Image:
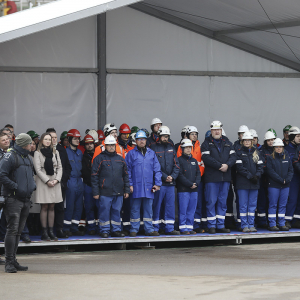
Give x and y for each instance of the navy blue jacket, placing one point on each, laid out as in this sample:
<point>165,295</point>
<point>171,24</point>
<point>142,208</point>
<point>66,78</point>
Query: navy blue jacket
<point>109,175</point>
<point>188,175</point>
<point>153,139</point>
<point>168,160</point>
<point>237,145</point>
<point>296,161</point>
<point>66,167</point>
<point>265,152</point>
<point>87,167</point>
<point>213,159</point>
<point>279,169</point>
<point>291,149</point>
<point>16,175</point>
<point>246,168</point>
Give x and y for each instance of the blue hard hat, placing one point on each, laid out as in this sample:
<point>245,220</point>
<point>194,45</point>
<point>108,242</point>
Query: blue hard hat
<point>140,135</point>
<point>207,134</point>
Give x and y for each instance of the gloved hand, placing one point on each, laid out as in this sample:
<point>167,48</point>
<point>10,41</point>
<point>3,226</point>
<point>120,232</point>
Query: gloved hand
<point>254,179</point>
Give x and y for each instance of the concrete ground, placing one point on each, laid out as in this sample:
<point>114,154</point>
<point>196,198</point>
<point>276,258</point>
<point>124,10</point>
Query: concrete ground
<point>261,271</point>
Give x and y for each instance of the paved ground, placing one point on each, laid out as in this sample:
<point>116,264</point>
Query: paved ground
<point>268,271</point>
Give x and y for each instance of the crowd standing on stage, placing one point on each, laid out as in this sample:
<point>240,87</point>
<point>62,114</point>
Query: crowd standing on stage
<point>124,182</point>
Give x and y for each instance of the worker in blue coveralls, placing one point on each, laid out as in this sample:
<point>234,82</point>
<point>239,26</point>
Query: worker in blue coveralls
<point>219,157</point>
<point>167,158</point>
<point>109,184</point>
<point>74,193</point>
<point>145,179</point>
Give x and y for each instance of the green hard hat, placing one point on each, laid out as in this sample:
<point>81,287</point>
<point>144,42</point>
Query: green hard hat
<point>134,129</point>
<point>63,135</point>
<point>272,130</point>
<point>287,128</point>
<point>32,134</point>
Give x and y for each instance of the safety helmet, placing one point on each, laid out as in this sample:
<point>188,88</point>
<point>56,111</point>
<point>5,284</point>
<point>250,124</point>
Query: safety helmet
<point>110,140</point>
<point>134,129</point>
<point>294,130</point>
<point>287,128</point>
<point>146,131</point>
<point>156,121</point>
<point>216,125</point>
<point>254,133</point>
<point>243,128</point>
<point>94,134</point>
<point>272,130</point>
<point>101,136</point>
<point>132,138</point>
<point>186,143</point>
<point>63,135</point>
<point>247,136</point>
<point>124,128</point>
<point>164,130</point>
<point>191,129</point>
<point>88,139</point>
<point>278,142</point>
<point>108,128</point>
<point>140,135</point>
<point>184,129</point>
<point>223,132</point>
<point>207,134</point>
<point>269,135</point>
<point>32,134</point>
<point>73,133</point>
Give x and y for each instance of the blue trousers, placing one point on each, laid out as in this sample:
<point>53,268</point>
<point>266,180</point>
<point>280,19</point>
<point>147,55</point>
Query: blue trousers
<point>90,205</point>
<point>297,210</point>
<point>198,212</point>
<point>247,206</point>
<point>187,203</point>
<point>74,204</point>
<point>277,202</point>
<point>166,198</point>
<point>126,213</point>
<point>293,198</point>
<point>216,197</point>
<point>262,203</point>
<point>110,213</point>
<point>135,210</point>
<point>204,213</point>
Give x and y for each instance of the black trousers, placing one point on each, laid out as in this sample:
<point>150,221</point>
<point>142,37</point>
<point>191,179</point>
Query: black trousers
<point>16,213</point>
<point>59,209</point>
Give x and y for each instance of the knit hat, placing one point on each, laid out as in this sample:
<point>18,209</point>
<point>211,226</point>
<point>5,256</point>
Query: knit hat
<point>23,139</point>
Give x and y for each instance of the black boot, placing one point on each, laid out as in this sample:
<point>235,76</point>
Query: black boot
<point>45,236</point>
<point>19,267</point>
<point>61,234</point>
<point>9,267</point>
<point>51,234</point>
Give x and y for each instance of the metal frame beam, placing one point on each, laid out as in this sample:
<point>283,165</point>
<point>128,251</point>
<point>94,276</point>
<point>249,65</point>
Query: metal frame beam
<point>211,34</point>
<point>101,82</point>
<point>265,26</point>
<point>47,70</point>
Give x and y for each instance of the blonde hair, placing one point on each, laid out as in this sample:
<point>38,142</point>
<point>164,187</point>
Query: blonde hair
<point>273,153</point>
<point>40,145</point>
<point>255,155</point>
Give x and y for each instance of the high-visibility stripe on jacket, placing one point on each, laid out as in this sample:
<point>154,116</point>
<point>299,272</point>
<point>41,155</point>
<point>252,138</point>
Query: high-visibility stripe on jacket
<point>196,153</point>
<point>120,151</point>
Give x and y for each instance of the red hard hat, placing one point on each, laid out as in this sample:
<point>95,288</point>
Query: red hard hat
<point>88,139</point>
<point>100,134</point>
<point>73,133</point>
<point>124,128</point>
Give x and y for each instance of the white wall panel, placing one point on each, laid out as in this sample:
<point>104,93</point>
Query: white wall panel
<point>71,45</point>
<point>38,101</point>
<point>138,41</point>
<point>259,103</point>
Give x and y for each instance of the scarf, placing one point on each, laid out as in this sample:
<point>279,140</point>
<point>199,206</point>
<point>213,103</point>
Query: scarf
<point>47,152</point>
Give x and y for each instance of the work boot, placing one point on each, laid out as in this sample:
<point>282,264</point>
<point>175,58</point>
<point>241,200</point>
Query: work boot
<point>104,235</point>
<point>9,267</point>
<point>283,228</point>
<point>19,267</point>
<point>125,232</point>
<point>78,233</point>
<point>132,234</point>
<point>231,226</point>
<point>25,238</point>
<point>263,226</point>
<point>199,230</point>
<point>184,232</point>
<point>274,228</point>
<point>61,234</point>
<point>246,230</point>
<point>162,231</point>
<point>153,233</point>
<point>52,235</point>
<point>174,232</point>
<point>212,230</point>
<point>117,234</point>
<point>296,223</point>
<point>92,232</point>
<point>193,232</point>
<point>253,229</point>
<point>45,236</point>
<point>223,230</point>
<point>68,233</point>
<point>288,225</point>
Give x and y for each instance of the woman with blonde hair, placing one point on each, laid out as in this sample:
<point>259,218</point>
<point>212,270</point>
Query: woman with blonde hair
<point>249,166</point>
<point>48,169</point>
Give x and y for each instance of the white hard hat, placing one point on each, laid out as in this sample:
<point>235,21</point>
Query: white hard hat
<point>94,134</point>
<point>110,140</point>
<point>269,135</point>
<point>243,128</point>
<point>223,132</point>
<point>185,128</point>
<point>247,136</point>
<point>216,125</point>
<point>186,143</point>
<point>294,130</point>
<point>156,121</point>
<point>191,129</point>
<point>254,133</point>
<point>163,130</point>
<point>278,142</point>
<point>133,138</point>
<point>108,128</point>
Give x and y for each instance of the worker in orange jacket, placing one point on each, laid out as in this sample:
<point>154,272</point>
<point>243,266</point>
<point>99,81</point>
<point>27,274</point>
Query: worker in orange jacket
<point>109,129</point>
<point>192,134</point>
